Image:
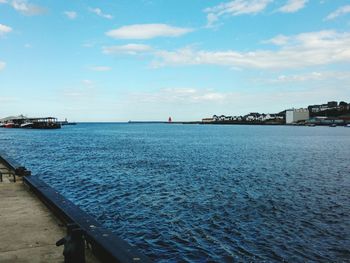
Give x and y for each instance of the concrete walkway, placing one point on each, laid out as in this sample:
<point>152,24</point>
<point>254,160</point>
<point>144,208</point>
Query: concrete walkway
<point>28,230</point>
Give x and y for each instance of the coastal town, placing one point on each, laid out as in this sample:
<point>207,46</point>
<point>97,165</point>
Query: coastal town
<point>331,114</point>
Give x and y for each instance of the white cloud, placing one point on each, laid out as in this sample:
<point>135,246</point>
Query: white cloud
<point>129,49</point>
<point>147,31</point>
<point>235,8</point>
<point>211,19</point>
<point>26,8</point>
<point>303,50</point>
<point>100,68</point>
<point>180,95</point>
<point>293,6</point>
<point>70,14</point>
<point>312,76</point>
<point>99,12</point>
<point>2,65</point>
<point>278,40</point>
<point>4,29</point>
<point>339,12</point>
<point>239,7</point>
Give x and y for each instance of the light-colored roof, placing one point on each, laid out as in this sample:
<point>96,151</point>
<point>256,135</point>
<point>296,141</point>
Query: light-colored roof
<point>21,117</point>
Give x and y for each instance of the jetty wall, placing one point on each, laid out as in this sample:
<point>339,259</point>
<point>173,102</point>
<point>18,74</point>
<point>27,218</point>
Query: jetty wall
<point>105,244</point>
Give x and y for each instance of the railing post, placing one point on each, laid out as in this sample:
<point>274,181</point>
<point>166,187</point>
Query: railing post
<point>74,245</point>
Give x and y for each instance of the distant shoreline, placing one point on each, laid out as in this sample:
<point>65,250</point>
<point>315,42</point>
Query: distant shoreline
<point>225,123</point>
<point>233,123</point>
<point>209,123</point>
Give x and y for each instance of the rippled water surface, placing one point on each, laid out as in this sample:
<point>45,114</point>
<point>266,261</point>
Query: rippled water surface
<point>203,193</point>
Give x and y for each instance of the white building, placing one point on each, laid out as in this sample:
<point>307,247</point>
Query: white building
<point>295,115</point>
<point>208,120</point>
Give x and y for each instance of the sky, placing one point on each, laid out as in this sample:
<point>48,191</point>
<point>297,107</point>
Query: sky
<point>121,60</point>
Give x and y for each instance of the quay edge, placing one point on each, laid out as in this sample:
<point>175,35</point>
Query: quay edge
<point>105,245</point>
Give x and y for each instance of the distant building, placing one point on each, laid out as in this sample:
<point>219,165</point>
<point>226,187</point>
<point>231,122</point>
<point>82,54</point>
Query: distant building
<point>295,115</point>
<point>331,105</point>
<point>222,118</point>
<point>208,120</point>
<point>344,106</point>
<point>253,116</point>
<point>274,117</point>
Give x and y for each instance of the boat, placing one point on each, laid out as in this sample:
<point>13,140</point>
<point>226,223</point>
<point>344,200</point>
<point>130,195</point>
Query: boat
<point>27,125</point>
<point>9,125</point>
<point>347,125</point>
<point>311,124</point>
<point>333,125</point>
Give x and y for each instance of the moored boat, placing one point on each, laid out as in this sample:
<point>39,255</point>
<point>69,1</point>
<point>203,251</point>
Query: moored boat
<point>27,125</point>
<point>9,125</point>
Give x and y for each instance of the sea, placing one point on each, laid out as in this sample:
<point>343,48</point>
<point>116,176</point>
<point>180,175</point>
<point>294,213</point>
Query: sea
<point>203,193</point>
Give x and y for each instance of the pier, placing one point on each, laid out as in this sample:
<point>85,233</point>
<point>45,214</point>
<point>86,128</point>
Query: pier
<point>30,123</point>
<point>33,217</point>
<point>28,229</point>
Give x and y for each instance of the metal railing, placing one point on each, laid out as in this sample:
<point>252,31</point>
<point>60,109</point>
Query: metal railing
<point>105,245</point>
<point>14,168</point>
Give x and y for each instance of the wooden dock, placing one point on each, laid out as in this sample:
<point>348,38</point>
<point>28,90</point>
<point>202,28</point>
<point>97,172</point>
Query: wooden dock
<point>28,229</point>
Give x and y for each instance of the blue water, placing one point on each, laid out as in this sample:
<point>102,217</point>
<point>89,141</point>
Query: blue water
<point>203,193</point>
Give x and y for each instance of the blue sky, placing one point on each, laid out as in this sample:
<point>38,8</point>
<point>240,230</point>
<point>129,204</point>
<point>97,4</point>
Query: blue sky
<point>150,59</point>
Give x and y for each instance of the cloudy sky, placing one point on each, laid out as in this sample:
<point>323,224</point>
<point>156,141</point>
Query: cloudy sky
<point>122,60</point>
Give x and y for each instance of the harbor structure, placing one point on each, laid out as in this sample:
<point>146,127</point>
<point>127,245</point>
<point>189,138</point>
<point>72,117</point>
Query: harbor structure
<point>297,115</point>
<point>320,120</point>
<point>30,122</point>
<point>66,122</point>
<point>28,230</point>
<point>35,217</point>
